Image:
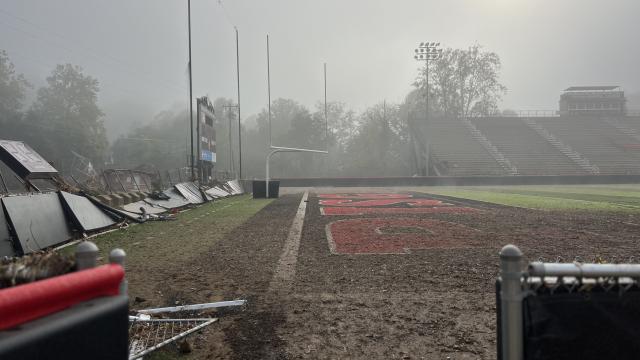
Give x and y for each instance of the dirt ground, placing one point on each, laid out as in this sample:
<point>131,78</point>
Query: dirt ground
<point>433,301</point>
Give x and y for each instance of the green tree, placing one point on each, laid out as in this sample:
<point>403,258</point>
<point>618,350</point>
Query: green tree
<point>160,145</point>
<point>12,94</point>
<point>68,117</point>
<point>379,146</point>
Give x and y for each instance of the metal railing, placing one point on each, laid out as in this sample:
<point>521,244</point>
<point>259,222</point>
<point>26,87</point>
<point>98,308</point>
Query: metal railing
<point>515,284</point>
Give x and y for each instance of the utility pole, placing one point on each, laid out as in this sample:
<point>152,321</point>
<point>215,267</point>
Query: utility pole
<point>269,94</point>
<point>427,51</point>
<point>193,175</point>
<point>239,122</point>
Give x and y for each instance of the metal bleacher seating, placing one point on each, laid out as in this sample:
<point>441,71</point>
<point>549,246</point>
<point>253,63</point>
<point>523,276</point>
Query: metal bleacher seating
<point>457,152</point>
<point>529,152</point>
<point>599,140</point>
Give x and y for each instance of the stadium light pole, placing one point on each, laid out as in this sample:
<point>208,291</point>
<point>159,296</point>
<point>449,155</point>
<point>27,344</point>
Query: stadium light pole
<point>239,121</point>
<point>193,175</point>
<point>427,51</point>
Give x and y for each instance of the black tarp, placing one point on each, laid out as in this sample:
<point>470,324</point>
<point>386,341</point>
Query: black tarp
<point>593,324</point>
<point>85,215</point>
<point>260,189</point>
<point>96,329</point>
<point>38,221</point>
<point>6,246</point>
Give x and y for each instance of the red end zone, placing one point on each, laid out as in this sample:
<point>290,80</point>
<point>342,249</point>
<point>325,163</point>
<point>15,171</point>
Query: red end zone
<point>396,236</point>
<point>393,210</point>
<point>389,235</point>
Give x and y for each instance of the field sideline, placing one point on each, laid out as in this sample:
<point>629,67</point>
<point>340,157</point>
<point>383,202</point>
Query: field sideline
<point>608,198</point>
<point>375,273</point>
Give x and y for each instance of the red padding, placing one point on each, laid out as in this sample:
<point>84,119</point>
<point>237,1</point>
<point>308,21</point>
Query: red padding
<point>27,302</point>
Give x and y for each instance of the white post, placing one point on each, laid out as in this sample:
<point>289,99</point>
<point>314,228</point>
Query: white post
<point>117,256</point>
<point>511,302</point>
<point>86,255</point>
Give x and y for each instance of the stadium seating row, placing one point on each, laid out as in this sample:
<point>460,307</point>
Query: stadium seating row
<point>605,145</point>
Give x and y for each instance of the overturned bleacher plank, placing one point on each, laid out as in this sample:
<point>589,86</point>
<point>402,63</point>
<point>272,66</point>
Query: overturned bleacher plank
<point>188,192</point>
<point>174,201</point>
<point>6,245</point>
<point>38,221</point>
<point>217,192</point>
<point>140,207</point>
<point>85,215</point>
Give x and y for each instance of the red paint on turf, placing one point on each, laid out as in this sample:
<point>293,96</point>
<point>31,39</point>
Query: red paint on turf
<point>396,236</point>
<point>382,202</point>
<point>365,196</point>
<point>394,210</point>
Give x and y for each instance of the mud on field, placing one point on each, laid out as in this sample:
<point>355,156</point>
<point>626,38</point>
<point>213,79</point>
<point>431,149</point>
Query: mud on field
<point>434,301</point>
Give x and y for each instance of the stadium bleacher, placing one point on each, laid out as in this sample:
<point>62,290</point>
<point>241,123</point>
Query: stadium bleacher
<point>457,153</point>
<point>608,144</point>
<point>529,152</point>
<point>604,145</point>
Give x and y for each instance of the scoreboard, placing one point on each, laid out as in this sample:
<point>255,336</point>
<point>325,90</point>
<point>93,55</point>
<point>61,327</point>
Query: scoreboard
<point>206,131</point>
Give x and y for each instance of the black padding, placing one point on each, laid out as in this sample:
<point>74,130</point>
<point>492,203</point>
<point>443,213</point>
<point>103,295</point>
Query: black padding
<point>96,329</point>
<point>38,221</point>
<point>6,245</point>
<point>260,189</point>
<point>84,214</point>
<point>584,325</point>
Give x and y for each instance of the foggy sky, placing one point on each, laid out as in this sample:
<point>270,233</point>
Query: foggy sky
<point>138,48</point>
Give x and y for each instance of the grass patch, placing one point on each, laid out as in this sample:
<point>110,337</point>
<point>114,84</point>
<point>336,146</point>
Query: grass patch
<point>177,240</point>
<point>584,198</point>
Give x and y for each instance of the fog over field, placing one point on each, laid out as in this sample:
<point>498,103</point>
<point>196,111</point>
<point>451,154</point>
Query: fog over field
<point>121,68</point>
<point>138,49</point>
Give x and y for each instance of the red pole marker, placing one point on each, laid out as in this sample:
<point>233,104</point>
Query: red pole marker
<point>27,302</point>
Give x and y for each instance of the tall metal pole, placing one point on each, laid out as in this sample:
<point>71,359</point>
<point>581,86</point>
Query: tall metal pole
<point>427,51</point>
<point>269,91</point>
<point>427,143</point>
<point>239,122</point>
<point>193,175</point>
<point>326,119</point>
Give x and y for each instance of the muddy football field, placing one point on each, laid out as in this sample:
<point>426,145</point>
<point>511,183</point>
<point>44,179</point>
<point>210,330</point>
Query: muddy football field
<point>368,273</point>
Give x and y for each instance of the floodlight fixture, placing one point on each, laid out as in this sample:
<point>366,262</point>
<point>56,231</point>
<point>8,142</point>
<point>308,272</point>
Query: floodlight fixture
<point>428,51</point>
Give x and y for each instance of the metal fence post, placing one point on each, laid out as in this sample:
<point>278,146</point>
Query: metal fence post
<point>117,256</point>
<point>511,298</point>
<point>86,255</point>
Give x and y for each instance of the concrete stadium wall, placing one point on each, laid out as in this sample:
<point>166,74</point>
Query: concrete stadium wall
<point>462,180</point>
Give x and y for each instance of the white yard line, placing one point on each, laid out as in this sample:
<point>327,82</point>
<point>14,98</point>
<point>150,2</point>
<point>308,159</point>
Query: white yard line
<point>286,269</point>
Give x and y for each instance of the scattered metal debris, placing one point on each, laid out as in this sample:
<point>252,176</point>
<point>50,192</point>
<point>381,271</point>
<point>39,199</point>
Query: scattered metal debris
<point>194,307</point>
<point>147,335</point>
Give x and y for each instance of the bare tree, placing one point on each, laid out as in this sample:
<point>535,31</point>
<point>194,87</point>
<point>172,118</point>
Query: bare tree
<point>464,83</point>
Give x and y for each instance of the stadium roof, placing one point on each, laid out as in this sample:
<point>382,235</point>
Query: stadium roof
<point>591,88</point>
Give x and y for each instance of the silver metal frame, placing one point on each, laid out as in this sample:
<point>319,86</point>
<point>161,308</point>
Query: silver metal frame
<point>133,354</point>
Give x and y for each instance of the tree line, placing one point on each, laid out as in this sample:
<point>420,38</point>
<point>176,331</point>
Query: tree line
<point>386,139</point>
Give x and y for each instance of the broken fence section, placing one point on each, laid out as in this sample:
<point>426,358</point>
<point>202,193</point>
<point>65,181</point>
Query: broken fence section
<point>32,222</point>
